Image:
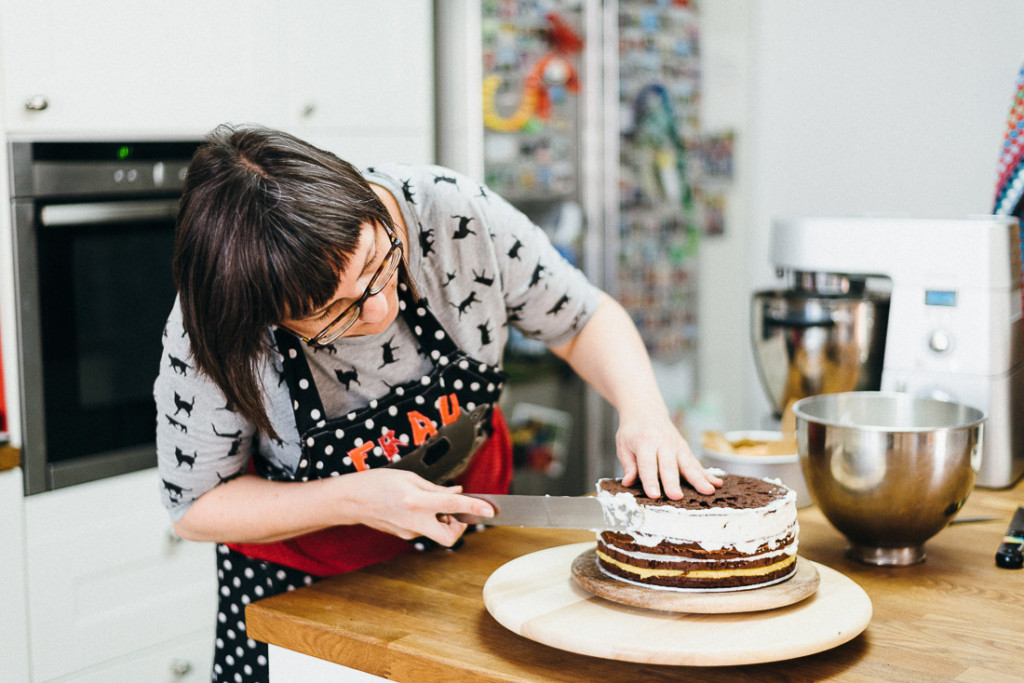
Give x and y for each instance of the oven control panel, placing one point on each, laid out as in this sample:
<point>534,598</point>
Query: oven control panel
<point>77,169</point>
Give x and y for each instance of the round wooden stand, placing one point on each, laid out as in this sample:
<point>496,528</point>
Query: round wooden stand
<point>536,597</point>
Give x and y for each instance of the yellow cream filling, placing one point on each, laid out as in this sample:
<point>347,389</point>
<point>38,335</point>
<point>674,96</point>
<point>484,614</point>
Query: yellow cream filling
<point>699,573</point>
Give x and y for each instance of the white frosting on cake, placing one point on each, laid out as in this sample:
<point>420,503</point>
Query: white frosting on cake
<point>745,529</point>
<point>620,510</point>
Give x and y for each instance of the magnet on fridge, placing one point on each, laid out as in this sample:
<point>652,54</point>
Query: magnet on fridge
<point>650,21</point>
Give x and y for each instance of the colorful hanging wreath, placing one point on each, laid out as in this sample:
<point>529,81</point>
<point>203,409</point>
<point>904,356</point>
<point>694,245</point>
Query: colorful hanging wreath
<point>553,69</point>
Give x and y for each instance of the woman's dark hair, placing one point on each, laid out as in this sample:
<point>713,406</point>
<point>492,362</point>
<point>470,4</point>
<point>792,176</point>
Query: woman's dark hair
<point>266,224</point>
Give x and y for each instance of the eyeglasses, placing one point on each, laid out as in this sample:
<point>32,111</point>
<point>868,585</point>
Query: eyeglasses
<point>380,279</point>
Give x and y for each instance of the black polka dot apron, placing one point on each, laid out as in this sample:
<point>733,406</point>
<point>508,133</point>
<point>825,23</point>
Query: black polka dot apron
<point>443,425</point>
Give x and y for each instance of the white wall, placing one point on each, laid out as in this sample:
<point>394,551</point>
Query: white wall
<point>852,106</point>
<point>726,37</point>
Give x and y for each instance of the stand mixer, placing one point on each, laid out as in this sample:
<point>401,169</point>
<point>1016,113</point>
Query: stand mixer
<point>928,307</point>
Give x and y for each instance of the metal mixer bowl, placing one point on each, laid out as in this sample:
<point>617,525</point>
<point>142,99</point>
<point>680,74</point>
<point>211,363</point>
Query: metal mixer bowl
<point>888,470</point>
<point>808,343</point>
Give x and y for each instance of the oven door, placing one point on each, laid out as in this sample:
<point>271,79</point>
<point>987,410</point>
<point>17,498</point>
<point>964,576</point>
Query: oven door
<point>94,290</point>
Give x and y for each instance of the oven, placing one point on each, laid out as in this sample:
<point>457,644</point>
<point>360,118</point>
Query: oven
<point>93,229</point>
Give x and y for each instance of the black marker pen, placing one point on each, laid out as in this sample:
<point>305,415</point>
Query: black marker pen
<point>1011,551</point>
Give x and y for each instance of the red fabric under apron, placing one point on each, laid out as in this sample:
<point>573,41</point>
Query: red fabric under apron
<point>346,548</point>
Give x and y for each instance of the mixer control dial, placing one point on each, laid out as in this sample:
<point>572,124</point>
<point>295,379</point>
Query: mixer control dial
<point>940,341</point>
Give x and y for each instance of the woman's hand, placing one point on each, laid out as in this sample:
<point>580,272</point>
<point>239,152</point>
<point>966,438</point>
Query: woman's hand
<point>249,509</point>
<point>651,449</point>
<point>406,505</point>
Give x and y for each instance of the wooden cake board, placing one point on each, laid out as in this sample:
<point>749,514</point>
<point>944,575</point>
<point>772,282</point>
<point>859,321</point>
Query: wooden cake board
<point>536,597</point>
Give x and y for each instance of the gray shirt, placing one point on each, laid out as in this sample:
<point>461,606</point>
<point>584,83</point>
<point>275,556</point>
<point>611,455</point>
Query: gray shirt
<point>481,265</point>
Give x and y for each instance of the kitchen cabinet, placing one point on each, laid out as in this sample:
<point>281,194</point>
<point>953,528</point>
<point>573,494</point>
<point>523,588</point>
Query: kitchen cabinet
<point>13,606</point>
<point>128,67</point>
<point>288,666</point>
<point>357,81</point>
<point>358,66</point>
<point>343,75</point>
<point>114,594</point>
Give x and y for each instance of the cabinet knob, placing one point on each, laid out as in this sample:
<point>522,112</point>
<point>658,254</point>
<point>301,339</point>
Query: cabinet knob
<point>37,103</point>
<point>180,668</point>
<point>308,110</point>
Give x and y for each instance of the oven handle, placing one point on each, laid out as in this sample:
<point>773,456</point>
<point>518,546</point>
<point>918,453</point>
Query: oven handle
<point>92,213</point>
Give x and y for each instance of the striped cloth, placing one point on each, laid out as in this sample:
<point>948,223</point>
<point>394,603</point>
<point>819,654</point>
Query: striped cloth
<point>1010,183</point>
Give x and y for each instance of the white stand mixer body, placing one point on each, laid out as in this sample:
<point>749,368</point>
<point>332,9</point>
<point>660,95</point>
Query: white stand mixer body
<point>955,329</point>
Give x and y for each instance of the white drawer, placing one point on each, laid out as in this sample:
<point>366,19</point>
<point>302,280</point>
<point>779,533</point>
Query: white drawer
<point>107,578</point>
<point>186,660</point>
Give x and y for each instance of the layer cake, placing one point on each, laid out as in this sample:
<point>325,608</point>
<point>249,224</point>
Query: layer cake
<point>742,536</point>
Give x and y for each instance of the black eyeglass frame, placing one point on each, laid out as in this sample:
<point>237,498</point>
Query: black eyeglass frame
<point>376,285</point>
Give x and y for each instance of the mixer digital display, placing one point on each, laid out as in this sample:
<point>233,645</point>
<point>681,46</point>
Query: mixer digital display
<point>940,297</point>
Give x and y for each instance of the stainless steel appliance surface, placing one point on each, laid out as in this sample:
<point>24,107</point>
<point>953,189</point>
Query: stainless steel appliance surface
<point>888,470</point>
<point>557,512</point>
<point>808,343</point>
<point>934,304</point>
<point>93,230</point>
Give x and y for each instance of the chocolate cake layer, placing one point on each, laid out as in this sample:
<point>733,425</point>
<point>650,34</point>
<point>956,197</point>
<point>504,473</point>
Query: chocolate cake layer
<point>651,561</point>
<point>736,492</point>
<point>626,543</point>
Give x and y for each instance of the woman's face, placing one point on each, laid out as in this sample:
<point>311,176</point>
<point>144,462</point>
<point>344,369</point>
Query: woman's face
<point>378,311</point>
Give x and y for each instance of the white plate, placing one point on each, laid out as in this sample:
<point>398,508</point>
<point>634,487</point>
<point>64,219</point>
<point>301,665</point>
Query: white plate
<point>785,468</point>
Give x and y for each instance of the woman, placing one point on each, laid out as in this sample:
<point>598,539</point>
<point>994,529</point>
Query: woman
<point>333,330</point>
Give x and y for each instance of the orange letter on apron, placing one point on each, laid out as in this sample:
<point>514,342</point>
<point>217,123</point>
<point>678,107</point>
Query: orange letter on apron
<point>422,428</point>
<point>358,455</point>
<point>389,444</point>
<point>449,407</point>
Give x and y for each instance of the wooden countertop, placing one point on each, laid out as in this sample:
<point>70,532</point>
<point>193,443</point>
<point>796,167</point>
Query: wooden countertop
<point>10,457</point>
<point>421,617</point>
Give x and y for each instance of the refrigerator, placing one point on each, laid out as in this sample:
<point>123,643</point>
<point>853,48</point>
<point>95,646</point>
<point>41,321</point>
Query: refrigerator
<point>585,115</point>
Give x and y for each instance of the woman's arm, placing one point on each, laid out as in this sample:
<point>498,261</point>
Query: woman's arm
<point>609,354</point>
<point>250,509</point>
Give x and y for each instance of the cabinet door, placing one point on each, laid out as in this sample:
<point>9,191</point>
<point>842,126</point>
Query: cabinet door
<point>357,77</point>
<point>124,66</point>
<point>13,607</point>
<point>107,579</point>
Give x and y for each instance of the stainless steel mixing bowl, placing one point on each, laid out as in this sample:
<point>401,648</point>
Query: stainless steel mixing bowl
<point>808,343</point>
<point>888,470</point>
